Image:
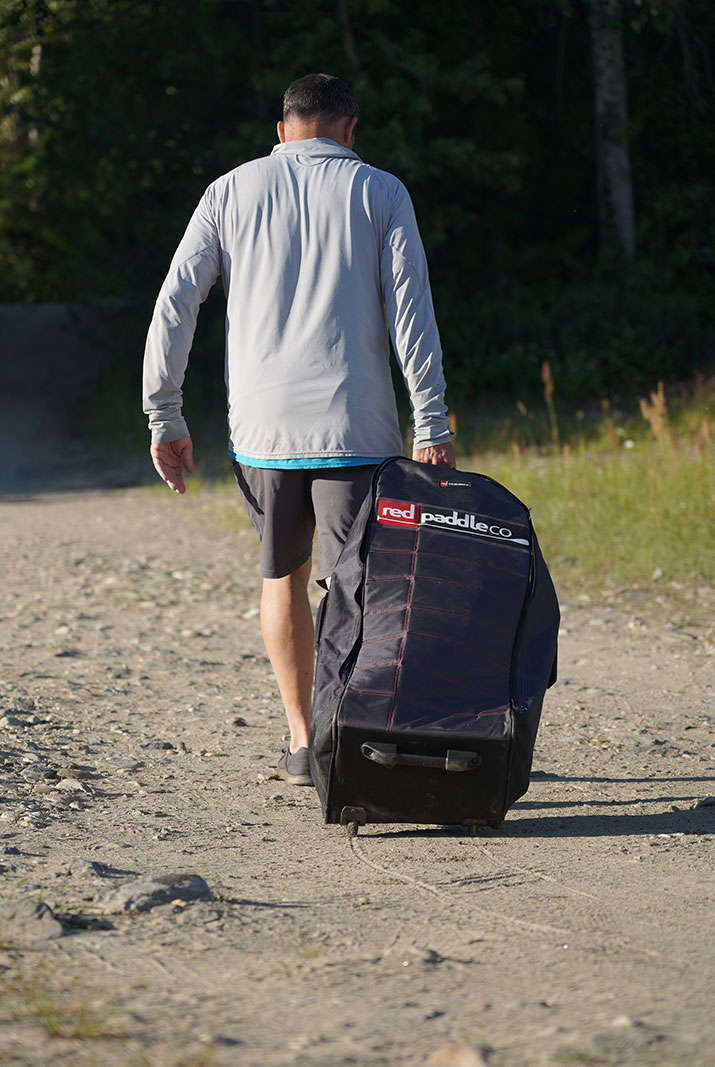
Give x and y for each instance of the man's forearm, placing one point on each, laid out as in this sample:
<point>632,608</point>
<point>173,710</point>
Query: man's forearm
<point>165,359</point>
<point>411,321</point>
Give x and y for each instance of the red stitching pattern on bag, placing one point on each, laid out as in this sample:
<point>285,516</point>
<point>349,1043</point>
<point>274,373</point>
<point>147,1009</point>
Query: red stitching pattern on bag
<point>444,640</point>
<point>475,588</point>
<point>427,707</point>
<point>456,559</point>
<point>458,644</point>
<point>444,611</point>
<point>447,581</point>
<point>406,626</point>
<point>432,674</point>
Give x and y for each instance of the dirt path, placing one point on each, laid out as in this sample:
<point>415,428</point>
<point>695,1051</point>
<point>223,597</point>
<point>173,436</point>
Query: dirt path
<point>141,725</point>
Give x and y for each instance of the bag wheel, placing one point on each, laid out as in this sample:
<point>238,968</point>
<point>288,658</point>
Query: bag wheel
<point>352,819</point>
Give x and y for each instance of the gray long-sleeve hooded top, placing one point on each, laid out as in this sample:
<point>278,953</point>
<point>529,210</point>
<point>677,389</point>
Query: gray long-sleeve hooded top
<point>320,256</point>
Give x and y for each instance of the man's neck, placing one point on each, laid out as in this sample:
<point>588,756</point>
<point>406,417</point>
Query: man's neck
<point>341,132</point>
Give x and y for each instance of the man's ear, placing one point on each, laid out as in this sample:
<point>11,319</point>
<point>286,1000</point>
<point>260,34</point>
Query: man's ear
<point>281,127</point>
<point>350,132</point>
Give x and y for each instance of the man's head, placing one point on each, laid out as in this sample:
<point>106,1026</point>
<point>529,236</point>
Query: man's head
<point>318,105</point>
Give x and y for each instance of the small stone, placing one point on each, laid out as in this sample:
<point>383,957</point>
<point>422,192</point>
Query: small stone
<point>122,763</point>
<point>159,745</point>
<point>621,1022</point>
<point>705,802</point>
<point>11,722</point>
<point>458,1054</point>
<point>239,721</point>
<point>21,705</point>
<point>77,868</point>
<point>252,613</point>
<point>75,772</point>
<point>35,770</point>
<point>72,785</point>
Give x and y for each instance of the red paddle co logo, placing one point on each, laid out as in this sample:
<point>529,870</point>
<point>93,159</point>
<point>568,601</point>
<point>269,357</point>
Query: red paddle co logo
<point>402,513</point>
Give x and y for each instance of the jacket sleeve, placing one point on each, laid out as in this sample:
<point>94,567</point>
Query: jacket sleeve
<point>411,322</point>
<point>194,269</point>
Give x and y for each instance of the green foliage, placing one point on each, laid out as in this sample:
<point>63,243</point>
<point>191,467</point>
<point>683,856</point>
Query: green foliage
<point>115,115</point>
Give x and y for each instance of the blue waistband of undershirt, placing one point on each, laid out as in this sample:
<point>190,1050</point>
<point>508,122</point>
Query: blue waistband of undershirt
<point>308,462</point>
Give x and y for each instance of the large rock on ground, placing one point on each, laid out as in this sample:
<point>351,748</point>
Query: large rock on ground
<point>29,921</point>
<point>142,894</point>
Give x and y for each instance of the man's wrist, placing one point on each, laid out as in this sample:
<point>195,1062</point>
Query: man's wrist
<point>167,432</point>
<point>432,442</point>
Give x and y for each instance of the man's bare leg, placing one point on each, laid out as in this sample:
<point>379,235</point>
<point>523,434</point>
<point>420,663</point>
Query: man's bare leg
<point>287,628</point>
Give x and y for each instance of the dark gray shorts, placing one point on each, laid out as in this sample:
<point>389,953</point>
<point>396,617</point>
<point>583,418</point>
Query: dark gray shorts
<point>286,508</point>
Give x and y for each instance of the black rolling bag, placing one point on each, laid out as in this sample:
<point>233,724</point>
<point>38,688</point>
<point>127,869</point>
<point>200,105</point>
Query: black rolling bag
<point>436,643</point>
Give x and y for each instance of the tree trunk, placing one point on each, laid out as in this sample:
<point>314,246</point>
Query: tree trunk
<point>613,166</point>
<point>346,29</point>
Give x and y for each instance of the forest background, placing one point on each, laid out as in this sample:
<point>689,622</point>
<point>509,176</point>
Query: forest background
<point>560,155</point>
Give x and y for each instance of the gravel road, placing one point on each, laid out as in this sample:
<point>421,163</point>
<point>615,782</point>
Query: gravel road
<point>167,901</point>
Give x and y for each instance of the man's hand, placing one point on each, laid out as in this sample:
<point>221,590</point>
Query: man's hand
<point>441,455</point>
<point>168,459</point>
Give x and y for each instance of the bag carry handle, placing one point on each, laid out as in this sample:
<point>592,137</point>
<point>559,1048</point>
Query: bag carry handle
<point>388,756</point>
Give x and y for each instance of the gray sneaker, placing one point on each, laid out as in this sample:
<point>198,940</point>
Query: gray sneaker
<point>294,767</point>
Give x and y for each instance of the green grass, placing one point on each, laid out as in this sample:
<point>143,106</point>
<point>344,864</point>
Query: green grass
<point>620,500</point>
<point>58,1010</point>
<point>607,518</point>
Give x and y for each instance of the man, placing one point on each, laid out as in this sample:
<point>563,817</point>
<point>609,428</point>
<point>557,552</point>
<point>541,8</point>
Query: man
<point>320,257</point>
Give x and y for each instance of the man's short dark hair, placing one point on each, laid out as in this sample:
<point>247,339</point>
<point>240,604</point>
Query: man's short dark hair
<point>319,95</point>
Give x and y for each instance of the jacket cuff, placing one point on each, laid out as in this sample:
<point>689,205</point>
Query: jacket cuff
<point>165,430</point>
<point>426,442</point>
